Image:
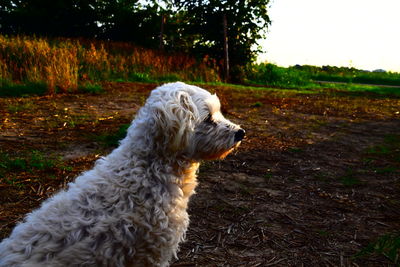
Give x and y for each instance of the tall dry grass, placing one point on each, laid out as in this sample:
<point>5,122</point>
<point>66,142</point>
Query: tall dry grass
<point>63,64</point>
<point>33,60</point>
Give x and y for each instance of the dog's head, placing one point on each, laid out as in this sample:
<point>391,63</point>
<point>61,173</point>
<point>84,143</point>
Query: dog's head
<point>187,120</point>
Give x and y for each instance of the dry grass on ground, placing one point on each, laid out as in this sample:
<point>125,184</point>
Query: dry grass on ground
<point>316,180</point>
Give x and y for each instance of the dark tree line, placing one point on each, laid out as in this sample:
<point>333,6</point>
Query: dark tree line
<point>193,26</point>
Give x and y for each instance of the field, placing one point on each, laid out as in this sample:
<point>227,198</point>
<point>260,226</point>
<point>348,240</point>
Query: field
<point>47,66</point>
<point>42,65</point>
<point>306,76</point>
<point>316,181</point>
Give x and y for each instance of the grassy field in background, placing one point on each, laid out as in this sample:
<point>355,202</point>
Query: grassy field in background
<point>37,65</point>
<point>31,65</point>
<point>314,78</point>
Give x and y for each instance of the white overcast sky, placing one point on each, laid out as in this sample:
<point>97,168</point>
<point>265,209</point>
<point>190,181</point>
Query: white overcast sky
<point>359,33</point>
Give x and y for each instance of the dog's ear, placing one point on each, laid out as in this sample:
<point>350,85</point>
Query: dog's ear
<point>175,121</point>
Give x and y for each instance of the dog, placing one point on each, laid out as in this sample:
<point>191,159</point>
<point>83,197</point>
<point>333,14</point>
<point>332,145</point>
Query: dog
<point>131,208</point>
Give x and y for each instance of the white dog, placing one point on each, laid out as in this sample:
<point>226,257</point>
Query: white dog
<point>130,209</point>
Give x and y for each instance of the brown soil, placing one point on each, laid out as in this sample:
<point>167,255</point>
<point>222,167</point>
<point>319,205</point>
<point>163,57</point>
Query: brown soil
<point>304,189</point>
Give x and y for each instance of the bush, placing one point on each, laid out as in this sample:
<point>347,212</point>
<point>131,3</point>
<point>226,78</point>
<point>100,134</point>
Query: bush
<point>273,75</point>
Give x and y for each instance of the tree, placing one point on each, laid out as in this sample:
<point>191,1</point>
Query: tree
<point>69,18</point>
<point>247,22</point>
<point>6,7</point>
<point>127,20</point>
<point>195,27</point>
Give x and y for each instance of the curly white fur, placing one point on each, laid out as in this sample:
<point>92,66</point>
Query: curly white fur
<point>130,209</point>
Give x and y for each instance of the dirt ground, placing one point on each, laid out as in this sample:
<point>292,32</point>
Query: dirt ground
<point>315,181</point>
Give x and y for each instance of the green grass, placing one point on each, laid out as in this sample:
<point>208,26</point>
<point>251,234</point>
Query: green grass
<point>18,107</point>
<point>17,170</point>
<point>273,75</point>
<point>145,77</point>
<point>390,149</point>
<point>350,89</point>
<point>323,233</point>
<point>39,161</point>
<point>259,77</point>
<point>13,181</point>
<point>391,79</point>
<point>279,92</point>
<point>169,78</point>
<point>139,77</point>
<point>10,89</point>
<point>307,79</point>
<point>311,88</point>
<point>378,150</point>
<point>321,176</point>
<point>386,170</point>
<point>34,160</point>
<point>268,176</point>
<point>257,105</point>
<point>349,179</point>
<point>91,88</point>
<point>384,158</point>
<point>295,149</point>
<point>245,190</point>
<point>357,89</point>
<point>387,245</point>
<point>347,75</point>
<point>112,139</point>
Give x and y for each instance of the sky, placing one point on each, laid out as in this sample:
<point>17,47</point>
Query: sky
<point>364,34</point>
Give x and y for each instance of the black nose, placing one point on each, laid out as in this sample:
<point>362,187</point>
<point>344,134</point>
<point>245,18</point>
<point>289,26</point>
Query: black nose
<point>239,135</point>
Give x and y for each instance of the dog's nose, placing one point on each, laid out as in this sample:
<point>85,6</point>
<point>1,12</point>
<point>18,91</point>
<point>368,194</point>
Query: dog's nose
<point>239,135</point>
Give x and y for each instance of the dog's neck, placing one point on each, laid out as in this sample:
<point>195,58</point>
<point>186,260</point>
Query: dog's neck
<point>188,181</point>
<point>183,174</point>
<point>173,170</point>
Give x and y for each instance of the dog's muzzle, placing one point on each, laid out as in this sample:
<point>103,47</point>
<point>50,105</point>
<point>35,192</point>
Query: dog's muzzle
<point>239,135</point>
